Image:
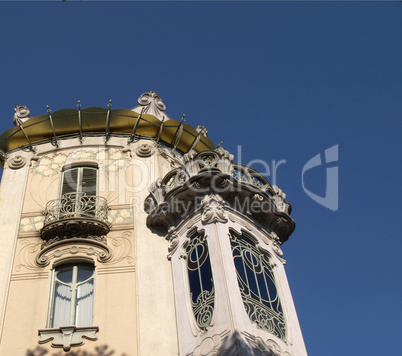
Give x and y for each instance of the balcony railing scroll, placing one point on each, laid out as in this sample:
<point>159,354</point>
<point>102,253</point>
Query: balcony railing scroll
<point>76,205</point>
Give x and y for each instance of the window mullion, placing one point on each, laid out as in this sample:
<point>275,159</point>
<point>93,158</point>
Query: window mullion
<point>199,272</point>
<point>53,290</point>
<point>79,189</point>
<point>73,295</point>
<point>255,274</point>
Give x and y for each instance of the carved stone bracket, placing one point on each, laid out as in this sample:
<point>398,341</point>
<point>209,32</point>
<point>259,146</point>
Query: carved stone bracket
<point>173,238</point>
<point>276,243</point>
<point>68,336</point>
<point>279,198</point>
<point>74,227</point>
<point>213,209</point>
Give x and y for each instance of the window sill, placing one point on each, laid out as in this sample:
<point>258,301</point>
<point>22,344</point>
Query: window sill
<point>68,336</point>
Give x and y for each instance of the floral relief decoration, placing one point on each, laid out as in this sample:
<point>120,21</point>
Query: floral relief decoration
<point>120,216</point>
<point>31,223</point>
<point>109,161</point>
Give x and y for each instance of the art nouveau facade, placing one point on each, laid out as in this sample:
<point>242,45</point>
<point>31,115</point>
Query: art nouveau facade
<point>129,231</point>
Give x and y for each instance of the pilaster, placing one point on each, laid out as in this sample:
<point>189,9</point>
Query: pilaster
<point>12,191</point>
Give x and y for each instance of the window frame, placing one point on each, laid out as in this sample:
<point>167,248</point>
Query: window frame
<point>265,256</point>
<point>79,166</point>
<point>202,321</point>
<point>65,266</point>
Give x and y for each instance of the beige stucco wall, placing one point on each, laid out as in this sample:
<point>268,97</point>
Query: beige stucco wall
<point>134,303</point>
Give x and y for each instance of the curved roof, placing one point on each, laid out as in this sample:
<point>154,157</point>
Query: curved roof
<point>100,121</point>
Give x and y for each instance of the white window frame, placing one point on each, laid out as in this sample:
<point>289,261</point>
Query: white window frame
<point>74,265</point>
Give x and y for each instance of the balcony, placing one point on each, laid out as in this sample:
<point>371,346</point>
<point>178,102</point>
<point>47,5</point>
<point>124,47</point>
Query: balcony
<point>75,215</point>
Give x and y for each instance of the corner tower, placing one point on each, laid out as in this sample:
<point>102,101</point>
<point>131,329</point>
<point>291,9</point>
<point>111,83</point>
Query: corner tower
<point>128,231</point>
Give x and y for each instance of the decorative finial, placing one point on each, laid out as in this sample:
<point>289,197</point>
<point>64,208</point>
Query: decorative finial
<point>21,114</point>
<point>203,130</point>
<point>151,103</point>
<point>151,99</point>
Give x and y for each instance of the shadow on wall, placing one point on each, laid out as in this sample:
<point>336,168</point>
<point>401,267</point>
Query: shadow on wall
<point>99,351</point>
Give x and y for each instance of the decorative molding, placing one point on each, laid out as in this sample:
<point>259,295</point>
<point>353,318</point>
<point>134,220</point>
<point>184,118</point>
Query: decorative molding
<point>17,162</point>
<point>173,239</point>
<point>68,336</point>
<point>74,227</point>
<point>26,255</point>
<point>88,246</point>
<point>145,150</point>
<point>35,255</point>
<point>72,238</point>
<point>276,243</point>
<point>115,269</point>
<point>211,345</point>
<point>265,348</point>
<point>213,209</point>
<point>122,248</point>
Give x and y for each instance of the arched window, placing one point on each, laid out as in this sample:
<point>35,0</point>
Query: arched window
<point>199,271</point>
<point>72,295</point>
<point>257,285</point>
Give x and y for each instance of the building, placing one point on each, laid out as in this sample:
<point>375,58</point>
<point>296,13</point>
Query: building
<point>129,231</point>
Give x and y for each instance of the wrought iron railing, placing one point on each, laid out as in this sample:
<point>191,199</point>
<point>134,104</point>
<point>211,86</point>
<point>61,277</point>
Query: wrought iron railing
<point>76,205</point>
<point>248,175</point>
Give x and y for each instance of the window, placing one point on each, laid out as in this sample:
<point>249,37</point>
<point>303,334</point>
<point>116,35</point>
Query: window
<point>82,179</point>
<point>78,191</point>
<point>257,285</point>
<point>72,295</point>
<point>200,279</point>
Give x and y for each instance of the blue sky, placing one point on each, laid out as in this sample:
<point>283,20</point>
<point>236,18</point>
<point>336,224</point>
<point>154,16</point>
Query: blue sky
<point>285,81</point>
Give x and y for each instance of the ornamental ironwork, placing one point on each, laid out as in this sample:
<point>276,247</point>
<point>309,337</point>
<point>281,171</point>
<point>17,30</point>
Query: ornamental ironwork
<point>76,205</point>
<point>199,270</point>
<point>75,215</point>
<point>257,286</point>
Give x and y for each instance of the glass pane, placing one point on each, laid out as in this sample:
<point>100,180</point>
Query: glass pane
<point>61,306</point>
<point>70,181</point>
<point>65,276</point>
<point>200,280</point>
<point>89,180</point>
<point>257,286</point>
<point>84,273</point>
<point>84,304</point>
